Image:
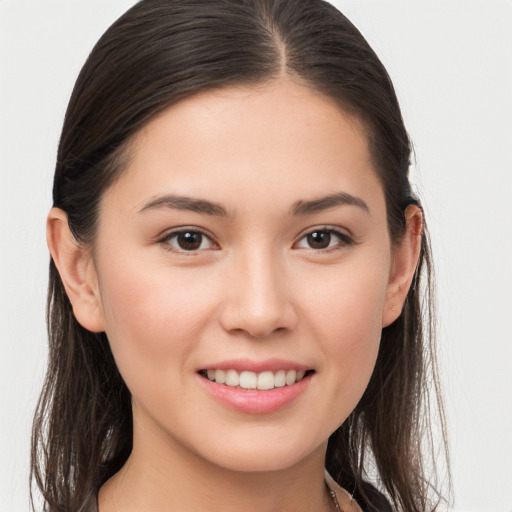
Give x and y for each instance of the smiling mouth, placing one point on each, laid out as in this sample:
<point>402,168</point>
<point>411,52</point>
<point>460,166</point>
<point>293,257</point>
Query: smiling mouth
<point>262,381</point>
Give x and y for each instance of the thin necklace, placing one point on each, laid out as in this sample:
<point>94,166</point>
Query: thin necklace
<point>334,498</point>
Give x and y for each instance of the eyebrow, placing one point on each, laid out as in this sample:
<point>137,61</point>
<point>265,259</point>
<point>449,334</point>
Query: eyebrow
<point>186,203</point>
<point>206,207</point>
<point>327,202</point>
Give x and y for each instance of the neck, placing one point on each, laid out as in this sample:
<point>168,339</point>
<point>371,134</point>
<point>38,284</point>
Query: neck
<point>162,479</point>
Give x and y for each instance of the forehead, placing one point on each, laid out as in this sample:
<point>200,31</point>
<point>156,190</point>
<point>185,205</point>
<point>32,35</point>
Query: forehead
<point>269,144</point>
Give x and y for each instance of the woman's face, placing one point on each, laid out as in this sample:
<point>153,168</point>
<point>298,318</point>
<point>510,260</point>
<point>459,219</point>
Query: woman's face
<point>248,234</point>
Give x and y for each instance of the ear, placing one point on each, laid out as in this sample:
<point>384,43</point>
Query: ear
<point>405,261</point>
<point>76,270</point>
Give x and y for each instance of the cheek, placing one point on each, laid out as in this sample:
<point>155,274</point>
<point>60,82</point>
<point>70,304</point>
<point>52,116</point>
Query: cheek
<point>346,316</point>
<point>348,303</point>
<point>154,317</point>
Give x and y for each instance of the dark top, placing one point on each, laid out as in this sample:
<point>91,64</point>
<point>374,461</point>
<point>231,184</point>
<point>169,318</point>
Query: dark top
<point>379,501</point>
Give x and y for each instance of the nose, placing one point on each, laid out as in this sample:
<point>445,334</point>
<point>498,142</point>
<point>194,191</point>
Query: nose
<point>258,297</point>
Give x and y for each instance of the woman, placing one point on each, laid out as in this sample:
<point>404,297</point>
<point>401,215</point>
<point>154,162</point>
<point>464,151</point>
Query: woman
<point>236,271</point>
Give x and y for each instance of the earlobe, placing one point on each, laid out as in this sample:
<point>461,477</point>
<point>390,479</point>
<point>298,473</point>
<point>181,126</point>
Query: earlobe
<point>77,271</point>
<point>405,261</point>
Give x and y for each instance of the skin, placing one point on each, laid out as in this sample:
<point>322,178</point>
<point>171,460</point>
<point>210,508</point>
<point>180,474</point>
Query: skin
<point>254,289</point>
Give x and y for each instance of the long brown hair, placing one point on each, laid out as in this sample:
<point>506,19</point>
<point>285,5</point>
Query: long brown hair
<point>158,53</point>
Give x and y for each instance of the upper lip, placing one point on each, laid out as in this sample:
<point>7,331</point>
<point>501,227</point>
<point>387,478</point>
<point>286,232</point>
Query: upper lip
<point>251,365</point>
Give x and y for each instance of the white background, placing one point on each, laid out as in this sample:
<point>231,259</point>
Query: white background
<point>451,62</point>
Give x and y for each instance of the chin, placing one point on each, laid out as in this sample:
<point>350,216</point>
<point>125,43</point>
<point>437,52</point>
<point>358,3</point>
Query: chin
<point>262,455</point>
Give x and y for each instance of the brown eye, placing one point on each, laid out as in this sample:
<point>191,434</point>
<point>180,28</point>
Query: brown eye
<point>319,239</point>
<point>187,241</point>
<point>324,239</point>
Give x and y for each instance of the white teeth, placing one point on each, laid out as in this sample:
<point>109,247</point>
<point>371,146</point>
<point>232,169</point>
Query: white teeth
<point>280,379</point>
<point>266,381</point>
<point>220,376</point>
<point>251,380</point>
<point>291,377</point>
<point>232,378</point>
<point>248,380</point>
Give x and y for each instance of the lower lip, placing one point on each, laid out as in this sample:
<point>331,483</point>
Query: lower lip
<point>253,401</point>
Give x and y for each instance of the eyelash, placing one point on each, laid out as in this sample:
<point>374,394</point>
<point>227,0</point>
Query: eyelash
<point>344,240</point>
<point>174,234</point>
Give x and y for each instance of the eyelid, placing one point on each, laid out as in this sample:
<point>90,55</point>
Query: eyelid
<point>346,238</point>
<point>164,238</point>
